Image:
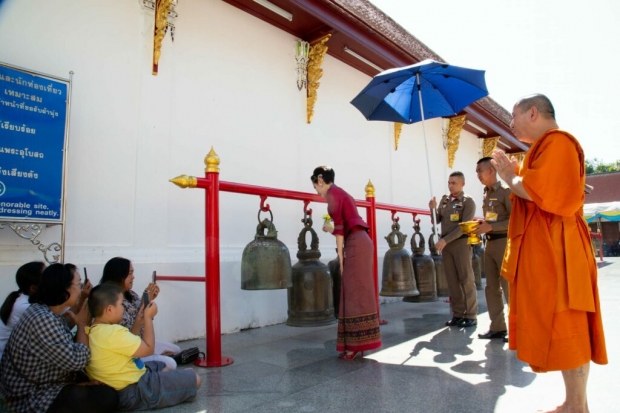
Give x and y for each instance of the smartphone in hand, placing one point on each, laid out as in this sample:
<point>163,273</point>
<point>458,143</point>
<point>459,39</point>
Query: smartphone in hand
<point>145,299</point>
<point>85,276</point>
<point>154,277</point>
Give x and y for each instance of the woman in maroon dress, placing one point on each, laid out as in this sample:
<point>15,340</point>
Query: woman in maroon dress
<point>358,321</point>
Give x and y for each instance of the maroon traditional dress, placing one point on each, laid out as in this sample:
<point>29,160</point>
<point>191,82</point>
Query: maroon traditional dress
<point>358,321</point>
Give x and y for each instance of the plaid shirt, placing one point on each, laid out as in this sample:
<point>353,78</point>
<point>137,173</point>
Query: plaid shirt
<point>40,358</point>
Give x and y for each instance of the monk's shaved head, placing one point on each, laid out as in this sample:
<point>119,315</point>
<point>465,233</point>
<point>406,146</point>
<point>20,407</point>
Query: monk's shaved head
<point>541,102</point>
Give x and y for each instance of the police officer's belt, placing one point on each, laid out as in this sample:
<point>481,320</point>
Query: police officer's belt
<point>491,237</point>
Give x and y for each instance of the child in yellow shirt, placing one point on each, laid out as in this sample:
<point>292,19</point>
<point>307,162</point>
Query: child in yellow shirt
<point>115,357</point>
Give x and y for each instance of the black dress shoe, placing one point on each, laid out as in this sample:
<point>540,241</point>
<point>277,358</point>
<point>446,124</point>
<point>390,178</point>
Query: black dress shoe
<point>468,322</point>
<point>454,321</point>
<point>493,334</point>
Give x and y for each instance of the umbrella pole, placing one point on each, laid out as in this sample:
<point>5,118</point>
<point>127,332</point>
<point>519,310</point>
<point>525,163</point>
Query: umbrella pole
<point>428,163</point>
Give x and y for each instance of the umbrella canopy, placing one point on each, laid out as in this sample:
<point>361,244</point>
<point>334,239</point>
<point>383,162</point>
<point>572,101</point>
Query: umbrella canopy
<point>605,211</point>
<point>426,90</point>
<point>396,95</point>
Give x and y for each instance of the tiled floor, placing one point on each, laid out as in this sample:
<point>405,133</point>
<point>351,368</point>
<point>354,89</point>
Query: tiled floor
<point>422,367</point>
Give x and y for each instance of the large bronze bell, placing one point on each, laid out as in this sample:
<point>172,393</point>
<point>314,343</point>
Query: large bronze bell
<point>266,262</point>
<point>476,263</point>
<point>334,270</point>
<point>442,282</point>
<point>398,278</point>
<point>424,270</point>
<point>310,300</point>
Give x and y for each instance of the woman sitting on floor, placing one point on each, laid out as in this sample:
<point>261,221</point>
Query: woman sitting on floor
<point>119,271</point>
<point>42,362</point>
<point>16,303</point>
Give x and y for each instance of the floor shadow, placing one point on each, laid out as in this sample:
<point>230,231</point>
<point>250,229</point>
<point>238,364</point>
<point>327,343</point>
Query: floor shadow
<point>498,367</point>
<point>446,344</point>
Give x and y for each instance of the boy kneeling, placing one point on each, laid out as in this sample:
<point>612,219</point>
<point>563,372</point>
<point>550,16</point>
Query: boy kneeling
<point>115,357</point>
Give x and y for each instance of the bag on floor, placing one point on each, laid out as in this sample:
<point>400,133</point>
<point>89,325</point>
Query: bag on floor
<point>187,356</point>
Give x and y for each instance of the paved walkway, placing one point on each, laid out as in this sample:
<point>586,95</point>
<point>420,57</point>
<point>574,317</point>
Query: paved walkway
<point>422,367</point>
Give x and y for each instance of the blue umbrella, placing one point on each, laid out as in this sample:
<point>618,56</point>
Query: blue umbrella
<point>425,90</point>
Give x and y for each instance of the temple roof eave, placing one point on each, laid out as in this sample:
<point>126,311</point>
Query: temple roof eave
<point>383,25</point>
<point>360,26</point>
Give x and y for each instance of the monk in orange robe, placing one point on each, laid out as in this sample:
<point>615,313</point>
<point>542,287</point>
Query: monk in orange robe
<point>555,316</point>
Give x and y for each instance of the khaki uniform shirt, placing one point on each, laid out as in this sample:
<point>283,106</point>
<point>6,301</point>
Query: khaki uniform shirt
<point>496,207</point>
<point>450,212</point>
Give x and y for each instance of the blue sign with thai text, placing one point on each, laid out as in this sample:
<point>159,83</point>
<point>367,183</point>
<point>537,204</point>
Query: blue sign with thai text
<point>33,112</point>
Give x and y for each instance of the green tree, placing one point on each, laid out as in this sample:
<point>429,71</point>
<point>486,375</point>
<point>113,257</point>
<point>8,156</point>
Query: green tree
<point>597,166</point>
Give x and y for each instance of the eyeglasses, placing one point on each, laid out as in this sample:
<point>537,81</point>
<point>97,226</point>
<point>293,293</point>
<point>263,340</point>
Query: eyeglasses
<point>81,285</point>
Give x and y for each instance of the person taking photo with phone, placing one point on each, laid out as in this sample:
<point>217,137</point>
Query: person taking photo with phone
<point>119,271</point>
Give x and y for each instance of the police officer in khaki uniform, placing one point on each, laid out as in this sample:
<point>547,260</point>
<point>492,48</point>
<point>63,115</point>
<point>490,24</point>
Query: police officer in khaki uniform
<point>453,209</point>
<point>496,209</point>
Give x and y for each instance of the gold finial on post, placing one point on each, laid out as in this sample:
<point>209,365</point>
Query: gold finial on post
<point>184,181</point>
<point>370,190</point>
<point>212,162</point>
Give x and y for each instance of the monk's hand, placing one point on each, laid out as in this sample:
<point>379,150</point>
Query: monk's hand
<point>483,228</point>
<point>328,228</point>
<point>504,166</point>
<point>441,244</point>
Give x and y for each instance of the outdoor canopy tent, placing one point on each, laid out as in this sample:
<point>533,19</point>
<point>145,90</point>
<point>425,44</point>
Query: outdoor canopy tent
<point>606,211</point>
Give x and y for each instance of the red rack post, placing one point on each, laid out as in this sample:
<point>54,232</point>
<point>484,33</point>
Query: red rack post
<point>212,266</point>
<point>600,238</point>
<point>371,217</point>
<point>212,186</point>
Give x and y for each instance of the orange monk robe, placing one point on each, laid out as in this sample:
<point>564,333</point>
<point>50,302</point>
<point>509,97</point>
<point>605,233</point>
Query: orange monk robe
<point>555,316</point>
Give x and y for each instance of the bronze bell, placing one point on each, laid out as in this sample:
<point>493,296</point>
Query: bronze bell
<point>266,262</point>
<point>442,282</point>
<point>334,270</point>
<point>398,278</point>
<point>310,300</point>
<point>424,270</point>
<point>476,263</point>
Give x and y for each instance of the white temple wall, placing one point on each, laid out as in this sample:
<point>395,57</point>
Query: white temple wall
<point>217,86</point>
